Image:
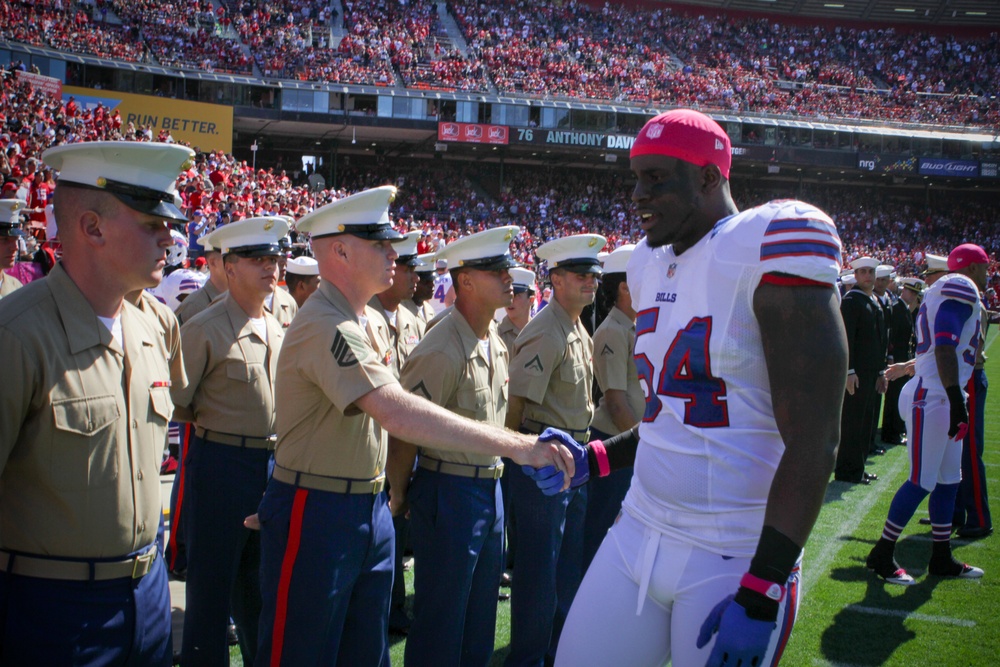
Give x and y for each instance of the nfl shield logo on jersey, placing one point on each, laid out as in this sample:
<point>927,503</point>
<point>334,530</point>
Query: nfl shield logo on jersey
<point>671,270</point>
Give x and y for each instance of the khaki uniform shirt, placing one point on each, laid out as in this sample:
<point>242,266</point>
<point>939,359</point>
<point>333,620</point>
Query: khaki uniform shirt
<point>445,312</point>
<point>984,327</point>
<point>283,307</point>
<point>8,284</point>
<point>82,425</point>
<point>404,335</point>
<point>171,330</point>
<point>552,369</point>
<point>424,312</point>
<point>614,366</point>
<point>508,333</point>
<point>328,361</point>
<point>197,301</point>
<point>451,368</point>
<point>231,371</point>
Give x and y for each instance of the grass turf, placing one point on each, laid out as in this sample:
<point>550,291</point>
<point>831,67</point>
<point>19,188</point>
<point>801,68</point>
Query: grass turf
<point>849,617</point>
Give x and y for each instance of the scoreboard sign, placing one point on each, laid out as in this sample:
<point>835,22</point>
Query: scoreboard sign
<point>473,133</point>
<point>597,140</point>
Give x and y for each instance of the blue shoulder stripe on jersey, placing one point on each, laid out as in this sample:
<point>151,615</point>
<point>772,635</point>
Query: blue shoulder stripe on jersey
<point>798,248</point>
<point>807,225</point>
<point>959,292</point>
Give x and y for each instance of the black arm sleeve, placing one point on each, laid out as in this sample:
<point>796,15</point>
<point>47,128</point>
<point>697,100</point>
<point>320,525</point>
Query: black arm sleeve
<point>621,451</point>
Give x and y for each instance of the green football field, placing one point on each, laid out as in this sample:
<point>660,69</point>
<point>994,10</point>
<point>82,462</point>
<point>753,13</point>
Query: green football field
<point>848,616</point>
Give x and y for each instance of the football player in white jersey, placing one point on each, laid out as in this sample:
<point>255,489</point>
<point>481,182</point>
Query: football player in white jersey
<point>444,292</point>
<point>933,407</point>
<point>742,352</point>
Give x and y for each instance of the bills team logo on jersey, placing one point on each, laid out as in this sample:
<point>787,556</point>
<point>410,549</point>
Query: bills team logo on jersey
<point>672,270</point>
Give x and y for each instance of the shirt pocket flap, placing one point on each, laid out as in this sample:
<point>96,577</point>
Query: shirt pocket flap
<point>573,374</point>
<point>85,416</point>
<point>159,397</point>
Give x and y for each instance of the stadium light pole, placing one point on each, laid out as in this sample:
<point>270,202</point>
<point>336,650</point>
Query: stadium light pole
<point>253,149</point>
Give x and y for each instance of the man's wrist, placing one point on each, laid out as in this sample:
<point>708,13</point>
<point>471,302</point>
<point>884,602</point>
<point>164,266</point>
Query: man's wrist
<point>955,394</point>
<point>850,372</point>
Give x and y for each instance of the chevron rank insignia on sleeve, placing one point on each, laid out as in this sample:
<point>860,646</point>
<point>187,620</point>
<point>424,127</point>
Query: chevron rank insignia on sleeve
<point>534,365</point>
<point>346,349</point>
<point>607,350</point>
<point>421,390</point>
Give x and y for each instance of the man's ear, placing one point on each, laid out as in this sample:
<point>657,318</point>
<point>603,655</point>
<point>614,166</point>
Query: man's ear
<point>91,227</point>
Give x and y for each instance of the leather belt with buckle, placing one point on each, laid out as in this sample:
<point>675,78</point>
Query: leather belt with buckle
<point>236,440</point>
<point>78,570</point>
<point>330,484</point>
<point>461,469</point>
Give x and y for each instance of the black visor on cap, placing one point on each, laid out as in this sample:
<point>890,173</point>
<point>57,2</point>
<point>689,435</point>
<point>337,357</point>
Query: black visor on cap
<point>494,263</point>
<point>8,230</point>
<point>378,231</point>
<point>137,198</point>
<point>521,289</point>
<point>582,265</point>
<point>263,250</point>
<point>410,260</point>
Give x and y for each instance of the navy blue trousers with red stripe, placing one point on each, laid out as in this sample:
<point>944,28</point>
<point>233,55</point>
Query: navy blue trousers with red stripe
<point>118,622</point>
<point>325,577</point>
<point>972,508</point>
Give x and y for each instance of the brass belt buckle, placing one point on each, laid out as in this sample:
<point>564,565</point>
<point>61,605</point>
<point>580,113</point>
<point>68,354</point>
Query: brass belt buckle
<point>142,564</point>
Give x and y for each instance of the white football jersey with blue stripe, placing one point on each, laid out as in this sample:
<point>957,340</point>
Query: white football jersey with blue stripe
<point>709,444</point>
<point>952,287</point>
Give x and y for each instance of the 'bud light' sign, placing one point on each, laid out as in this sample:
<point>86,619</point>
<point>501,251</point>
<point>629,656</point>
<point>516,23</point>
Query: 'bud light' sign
<point>941,167</point>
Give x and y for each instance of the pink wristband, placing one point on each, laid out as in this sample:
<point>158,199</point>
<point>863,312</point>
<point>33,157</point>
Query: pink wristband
<point>601,454</point>
<point>768,589</point>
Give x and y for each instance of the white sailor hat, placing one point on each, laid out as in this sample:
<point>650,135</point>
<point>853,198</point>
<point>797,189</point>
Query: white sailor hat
<point>426,264</point>
<point>576,253</point>
<point>253,237</point>
<point>864,263</point>
<point>140,174</point>
<point>915,284</point>
<point>935,264</point>
<point>407,250</point>
<point>488,250</point>
<point>849,280</point>
<point>524,279</point>
<point>884,271</point>
<point>302,266</point>
<point>365,214</point>
<point>10,217</point>
<point>617,260</point>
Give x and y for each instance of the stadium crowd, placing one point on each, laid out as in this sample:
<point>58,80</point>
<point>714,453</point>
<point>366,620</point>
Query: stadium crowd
<point>739,64</point>
<point>448,202</point>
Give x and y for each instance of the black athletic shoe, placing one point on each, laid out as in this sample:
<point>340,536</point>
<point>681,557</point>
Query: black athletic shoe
<point>881,562</point>
<point>953,568</point>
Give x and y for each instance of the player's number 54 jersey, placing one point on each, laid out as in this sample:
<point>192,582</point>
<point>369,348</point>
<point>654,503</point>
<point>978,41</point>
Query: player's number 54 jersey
<point>709,442</point>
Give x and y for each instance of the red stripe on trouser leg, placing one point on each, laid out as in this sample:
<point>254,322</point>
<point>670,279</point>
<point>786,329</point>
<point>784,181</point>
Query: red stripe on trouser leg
<point>287,565</point>
<point>977,479</point>
<point>175,518</point>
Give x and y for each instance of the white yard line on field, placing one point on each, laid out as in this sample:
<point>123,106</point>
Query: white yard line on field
<point>854,507</point>
<point>947,620</point>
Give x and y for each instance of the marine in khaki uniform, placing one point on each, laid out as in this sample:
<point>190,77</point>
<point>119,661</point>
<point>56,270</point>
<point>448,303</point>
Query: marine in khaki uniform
<point>327,537</point>
<point>215,286</point>
<point>551,375</point>
<point>623,401</point>
<point>420,303</point>
<point>231,356</point>
<point>404,331</point>
<point>516,316</point>
<point>518,313</point>
<point>302,278</point>
<point>403,328</point>
<point>84,406</point>
<point>10,232</point>
<point>282,305</point>
<point>455,503</point>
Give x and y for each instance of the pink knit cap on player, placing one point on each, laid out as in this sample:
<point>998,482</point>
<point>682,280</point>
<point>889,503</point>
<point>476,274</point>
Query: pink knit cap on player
<point>686,135</point>
<point>966,254</point>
